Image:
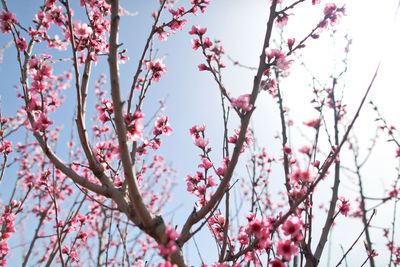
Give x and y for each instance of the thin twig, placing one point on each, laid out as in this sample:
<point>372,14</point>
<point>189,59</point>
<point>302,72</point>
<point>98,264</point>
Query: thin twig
<point>362,232</point>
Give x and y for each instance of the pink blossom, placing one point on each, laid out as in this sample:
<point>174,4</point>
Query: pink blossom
<point>398,152</point>
<point>394,193</point>
<point>273,54</point>
<point>305,150</point>
<point>250,257</point>
<point>206,164</point>
<point>277,263</point>
<point>221,171</point>
<point>313,123</point>
<point>177,13</point>
<point>197,30</point>
<point>7,219</point>
<point>287,150</point>
<point>282,20</point>
<point>197,130</point>
<point>372,253</point>
<point>277,57</point>
<point>250,216</point>
<point>207,43</point>
<point>169,246</point>
<point>69,230</point>
<point>300,176</point>
<point>332,13</point>
<point>136,129</point>
<point>34,62</point>
<point>290,43</point>
<point>258,228</point>
<point>292,226</point>
<point>243,239</point>
<point>65,249</point>
<point>41,123</point>
<point>162,126</point>
<point>218,219</point>
<point>201,142</point>
<point>6,147</point>
<point>162,34</point>
<point>82,236</point>
<point>83,30</point>
<point>74,255</point>
<point>287,249</point>
<point>45,71</point>
<point>203,67</point>
<point>211,181</point>
<point>123,59</point>
<point>105,109</point>
<point>196,44</point>
<point>248,139</point>
<point>344,206</point>
<point>21,44</point>
<point>190,187</point>
<point>329,9</point>
<point>177,25</point>
<point>157,67</point>
<point>165,264</point>
<point>202,4</point>
<point>6,18</point>
<point>283,64</point>
<point>50,3</point>
<point>134,125</point>
<point>242,102</point>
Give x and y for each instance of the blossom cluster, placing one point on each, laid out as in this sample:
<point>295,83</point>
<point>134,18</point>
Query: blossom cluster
<point>177,22</point>
<point>277,58</point>
<point>161,127</point>
<point>242,103</point>
<point>105,109</point>
<point>6,147</point>
<point>7,228</point>
<point>6,20</point>
<point>169,246</point>
<point>212,52</point>
<point>134,125</point>
<point>199,183</point>
<point>44,91</point>
<point>157,68</point>
<point>344,206</point>
<point>74,224</point>
<point>332,14</point>
<point>247,141</point>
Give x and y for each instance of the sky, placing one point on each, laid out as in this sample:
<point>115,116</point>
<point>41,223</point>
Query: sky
<point>193,97</point>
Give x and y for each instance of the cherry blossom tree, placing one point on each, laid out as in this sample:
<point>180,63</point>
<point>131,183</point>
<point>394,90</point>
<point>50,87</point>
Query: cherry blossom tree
<point>93,191</point>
